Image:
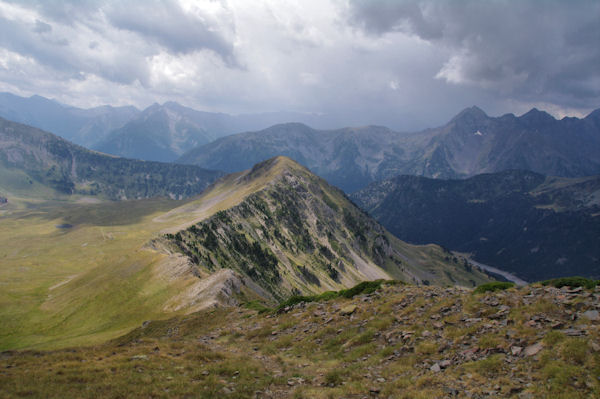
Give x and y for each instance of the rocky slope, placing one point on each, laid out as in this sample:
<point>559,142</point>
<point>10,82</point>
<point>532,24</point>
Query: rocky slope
<point>399,342</point>
<point>294,233</point>
<point>534,226</point>
<point>471,143</point>
<point>38,163</point>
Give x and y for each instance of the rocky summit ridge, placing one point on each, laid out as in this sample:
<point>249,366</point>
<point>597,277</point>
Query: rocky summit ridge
<point>399,341</point>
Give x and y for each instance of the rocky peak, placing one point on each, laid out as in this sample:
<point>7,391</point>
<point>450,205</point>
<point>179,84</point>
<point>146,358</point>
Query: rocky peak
<point>537,117</point>
<point>470,115</point>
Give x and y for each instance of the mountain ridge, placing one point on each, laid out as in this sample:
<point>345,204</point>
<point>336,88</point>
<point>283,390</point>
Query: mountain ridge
<point>523,222</point>
<point>471,143</point>
<point>32,159</point>
<point>295,233</point>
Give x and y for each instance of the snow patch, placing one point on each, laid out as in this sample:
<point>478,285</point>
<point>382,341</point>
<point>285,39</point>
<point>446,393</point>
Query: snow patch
<point>478,133</point>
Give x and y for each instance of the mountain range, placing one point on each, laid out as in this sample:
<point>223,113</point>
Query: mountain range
<point>37,163</point>
<point>158,133</point>
<point>81,126</point>
<point>534,226</point>
<point>471,143</point>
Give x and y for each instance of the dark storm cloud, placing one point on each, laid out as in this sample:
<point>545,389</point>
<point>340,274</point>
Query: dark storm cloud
<point>532,50</point>
<point>406,64</point>
<point>168,25</point>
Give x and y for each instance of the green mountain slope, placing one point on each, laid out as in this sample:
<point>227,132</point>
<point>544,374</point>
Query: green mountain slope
<point>294,233</point>
<point>534,226</point>
<point>76,273</point>
<point>38,163</point>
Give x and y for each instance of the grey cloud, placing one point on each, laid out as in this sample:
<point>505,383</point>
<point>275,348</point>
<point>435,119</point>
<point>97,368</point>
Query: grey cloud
<point>61,11</point>
<point>528,49</point>
<point>42,27</point>
<point>55,53</point>
<point>168,25</point>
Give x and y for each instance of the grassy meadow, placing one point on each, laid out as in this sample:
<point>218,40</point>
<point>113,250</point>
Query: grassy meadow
<point>83,284</point>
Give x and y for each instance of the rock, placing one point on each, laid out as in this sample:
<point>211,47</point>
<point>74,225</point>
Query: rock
<point>426,334</point>
<point>435,368</point>
<point>574,290</point>
<point>445,363</point>
<point>139,357</point>
<point>592,315</point>
<point>380,379</point>
<point>556,324</point>
<point>573,332</point>
<point>374,390</point>
<point>348,310</point>
<point>515,350</point>
<point>534,349</point>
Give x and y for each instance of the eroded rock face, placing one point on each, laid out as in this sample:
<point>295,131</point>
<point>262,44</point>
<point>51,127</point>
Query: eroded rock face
<point>215,290</point>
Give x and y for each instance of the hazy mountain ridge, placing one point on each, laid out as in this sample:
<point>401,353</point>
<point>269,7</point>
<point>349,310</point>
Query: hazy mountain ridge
<point>32,159</point>
<point>348,158</point>
<point>471,143</point>
<point>81,126</point>
<point>297,234</point>
<point>159,132</point>
<point>534,226</point>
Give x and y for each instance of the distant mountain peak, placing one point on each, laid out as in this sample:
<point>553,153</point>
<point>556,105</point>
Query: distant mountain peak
<point>536,116</point>
<point>471,114</point>
<point>594,115</point>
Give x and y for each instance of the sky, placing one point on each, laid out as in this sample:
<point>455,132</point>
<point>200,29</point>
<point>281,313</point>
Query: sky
<point>404,64</point>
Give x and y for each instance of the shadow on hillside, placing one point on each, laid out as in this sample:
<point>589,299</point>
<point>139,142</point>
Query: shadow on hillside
<point>117,213</point>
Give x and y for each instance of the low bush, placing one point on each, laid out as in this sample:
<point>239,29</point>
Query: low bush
<point>366,287</point>
<point>494,286</point>
<point>575,281</point>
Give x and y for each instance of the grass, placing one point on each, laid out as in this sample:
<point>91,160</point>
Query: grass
<point>225,353</point>
<point>80,285</point>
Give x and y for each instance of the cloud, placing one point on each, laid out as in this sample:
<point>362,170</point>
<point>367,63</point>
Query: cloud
<point>527,49</point>
<point>42,27</point>
<point>167,24</point>
<point>406,64</point>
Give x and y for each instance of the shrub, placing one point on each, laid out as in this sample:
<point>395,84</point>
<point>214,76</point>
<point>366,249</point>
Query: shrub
<point>256,305</point>
<point>366,287</point>
<point>575,281</point>
<point>494,286</point>
<point>333,378</point>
